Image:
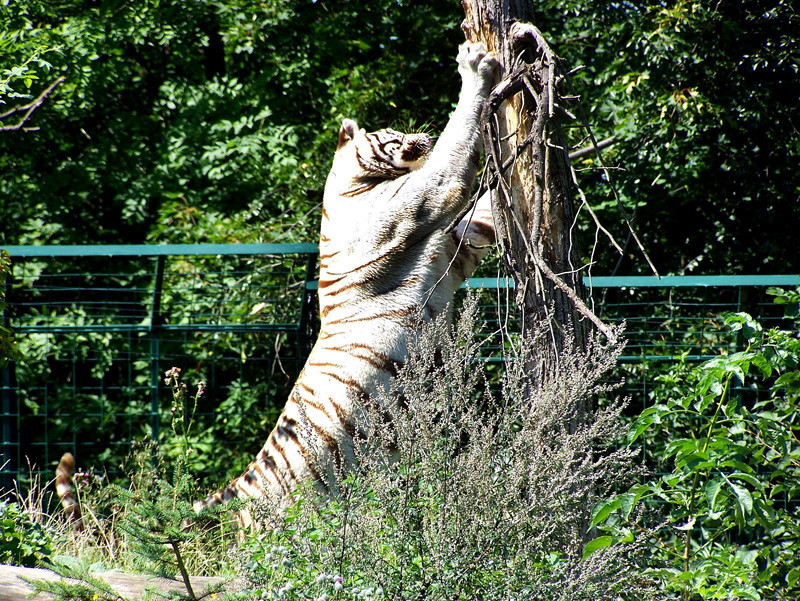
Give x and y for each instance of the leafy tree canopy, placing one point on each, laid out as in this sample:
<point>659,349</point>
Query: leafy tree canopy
<point>206,121</point>
<point>702,98</point>
<point>215,120</point>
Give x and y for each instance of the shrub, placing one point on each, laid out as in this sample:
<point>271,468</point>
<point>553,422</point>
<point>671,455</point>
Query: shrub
<point>724,435</point>
<point>462,493</point>
<point>23,540</point>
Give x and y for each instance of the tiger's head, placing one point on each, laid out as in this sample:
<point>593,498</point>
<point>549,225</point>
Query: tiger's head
<point>367,159</point>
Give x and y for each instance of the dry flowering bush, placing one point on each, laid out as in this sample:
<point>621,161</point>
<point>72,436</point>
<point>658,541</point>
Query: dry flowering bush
<point>462,492</point>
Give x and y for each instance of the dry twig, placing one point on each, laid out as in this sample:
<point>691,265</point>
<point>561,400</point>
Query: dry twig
<point>28,109</point>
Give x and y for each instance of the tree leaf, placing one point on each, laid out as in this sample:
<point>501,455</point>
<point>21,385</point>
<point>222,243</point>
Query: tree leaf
<point>601,542</point>
<point>639,426</point>
<point>712,492</point>
<point>627,502</point>
<point>743,496</point>
<point>603,509</point>
<point>753,481</point>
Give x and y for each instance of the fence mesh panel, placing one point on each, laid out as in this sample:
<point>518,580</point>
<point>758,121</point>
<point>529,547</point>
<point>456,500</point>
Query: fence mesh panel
<point>98,330</point>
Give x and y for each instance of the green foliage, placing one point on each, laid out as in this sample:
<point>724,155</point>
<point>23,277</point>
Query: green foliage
<point>215,121</point>
<point>701,99</point>
<point>725,436</point>
<point>24,46</point>
<point>8,344</point>
<point>23,540</point>
<point>459,494</point>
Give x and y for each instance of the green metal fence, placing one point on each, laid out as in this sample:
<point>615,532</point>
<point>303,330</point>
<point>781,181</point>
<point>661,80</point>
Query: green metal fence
<point>98,327</point>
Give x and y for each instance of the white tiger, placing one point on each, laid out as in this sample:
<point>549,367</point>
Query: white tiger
<point>385,255</point>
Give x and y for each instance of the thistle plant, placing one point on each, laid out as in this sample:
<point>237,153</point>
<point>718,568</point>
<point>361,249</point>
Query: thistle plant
<point>183,409</point>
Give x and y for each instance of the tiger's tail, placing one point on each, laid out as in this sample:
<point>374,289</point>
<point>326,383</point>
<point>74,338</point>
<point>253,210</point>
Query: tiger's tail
<point>66,490</point>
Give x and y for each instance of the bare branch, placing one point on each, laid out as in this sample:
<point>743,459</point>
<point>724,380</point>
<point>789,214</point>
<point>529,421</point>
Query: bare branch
<point>592,213</point>
<point>28,109</point>
<point>592,148</point>
<point>628,220</point>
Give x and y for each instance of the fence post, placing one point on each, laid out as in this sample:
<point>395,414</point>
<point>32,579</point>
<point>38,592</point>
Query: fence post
<point>155,327</point>
<point>306,324</point>
<point>8,458</point>
<point>7,466</point>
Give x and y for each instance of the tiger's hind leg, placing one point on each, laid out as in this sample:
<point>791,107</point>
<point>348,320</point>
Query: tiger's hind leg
<point>473,236</point>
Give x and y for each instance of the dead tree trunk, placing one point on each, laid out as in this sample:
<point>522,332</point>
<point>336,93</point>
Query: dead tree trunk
<point>529,173</point>
<point>533,190</point>
<point>533,202</point>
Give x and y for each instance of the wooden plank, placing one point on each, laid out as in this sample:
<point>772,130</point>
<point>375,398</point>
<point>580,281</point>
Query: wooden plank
<point>132,586</point>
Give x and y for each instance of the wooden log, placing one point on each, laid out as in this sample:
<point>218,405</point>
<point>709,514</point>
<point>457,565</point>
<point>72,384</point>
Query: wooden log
<point>132,586</point>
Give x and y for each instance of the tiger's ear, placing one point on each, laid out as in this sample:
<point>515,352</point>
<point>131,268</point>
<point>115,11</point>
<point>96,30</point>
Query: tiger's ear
<point>347,132</point>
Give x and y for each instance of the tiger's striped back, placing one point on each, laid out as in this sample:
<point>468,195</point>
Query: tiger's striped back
<point>385,258</point>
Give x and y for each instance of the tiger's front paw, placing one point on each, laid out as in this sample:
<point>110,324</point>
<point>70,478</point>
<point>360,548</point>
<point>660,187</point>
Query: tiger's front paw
<point>474,61</point>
